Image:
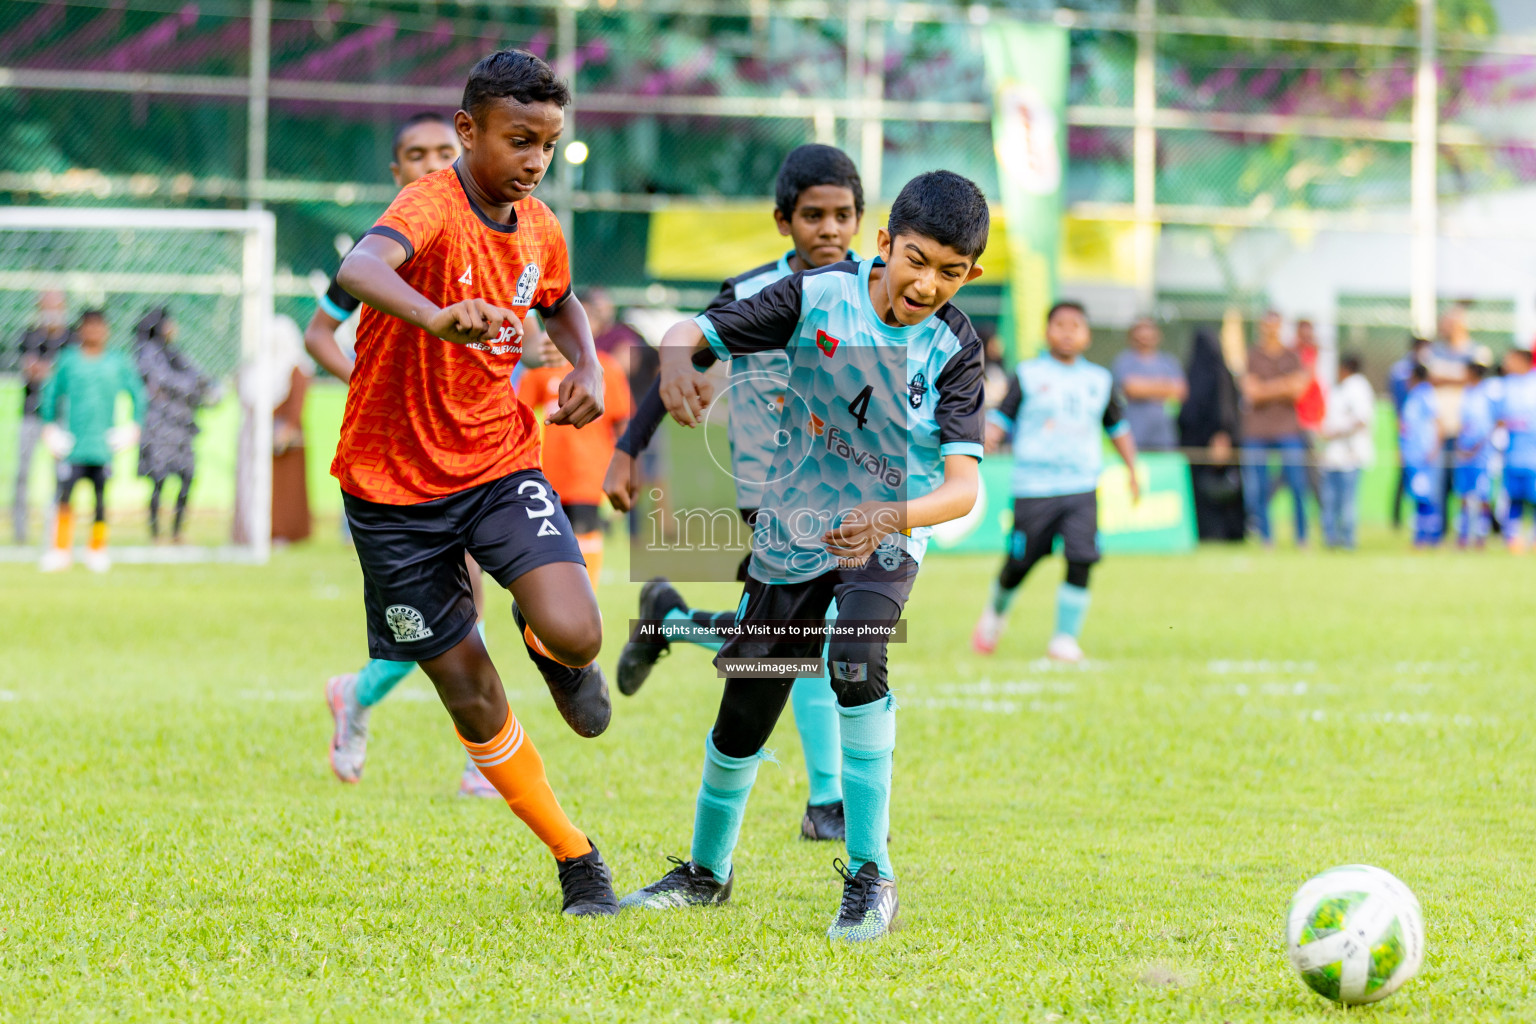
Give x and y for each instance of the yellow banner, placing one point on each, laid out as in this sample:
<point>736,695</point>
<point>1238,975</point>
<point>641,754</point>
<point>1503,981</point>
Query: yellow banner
<point>711,243</point>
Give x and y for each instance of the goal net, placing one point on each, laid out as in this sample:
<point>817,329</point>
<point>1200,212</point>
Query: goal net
<point>212,272</point>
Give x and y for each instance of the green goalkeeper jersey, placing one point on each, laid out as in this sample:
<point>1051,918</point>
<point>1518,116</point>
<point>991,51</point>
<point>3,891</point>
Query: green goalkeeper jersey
<point>83,392</point>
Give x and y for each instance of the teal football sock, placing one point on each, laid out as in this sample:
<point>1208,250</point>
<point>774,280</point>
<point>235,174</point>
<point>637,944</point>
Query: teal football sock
<point>1071,608</point>
<point>721,805</point>
<point>816,719</point>
<point>1002,597</point>
<point>869,737</point>
<point>378,677</point>
<point>692,628</point>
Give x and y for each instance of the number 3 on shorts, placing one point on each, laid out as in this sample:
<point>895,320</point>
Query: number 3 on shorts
<point>544,511</point>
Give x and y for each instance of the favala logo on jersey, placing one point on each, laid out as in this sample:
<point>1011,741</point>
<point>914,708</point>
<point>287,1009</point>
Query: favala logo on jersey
<point>827,343</point>
<point>877,466</point>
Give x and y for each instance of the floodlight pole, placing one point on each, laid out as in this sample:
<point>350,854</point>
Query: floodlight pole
<point>565,67</point>
<point>1144,152</point>
<point>256,101</point>
<point>1425,193</point>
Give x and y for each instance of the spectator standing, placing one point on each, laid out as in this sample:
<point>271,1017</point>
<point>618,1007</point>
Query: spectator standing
<point>175,388</point>
<point>1449,365</point>
<point>1210,419</point>
<point>1347,450</point>
<point>40,346</point>
<point>1275,379</point>
<point>1150,379</point>
<point>1312,405</point>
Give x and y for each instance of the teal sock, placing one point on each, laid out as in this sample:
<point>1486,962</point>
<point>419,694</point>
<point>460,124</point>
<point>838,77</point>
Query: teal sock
<point>1002,597</point>
<point>378,677</point>
<point>722,804</point>
<point>816,719</point>
<point>1071,607</point>
<point>869,738</point>
<point>691,628</point>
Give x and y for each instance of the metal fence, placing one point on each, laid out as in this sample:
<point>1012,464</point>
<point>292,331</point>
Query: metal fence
<point>1225,139</point>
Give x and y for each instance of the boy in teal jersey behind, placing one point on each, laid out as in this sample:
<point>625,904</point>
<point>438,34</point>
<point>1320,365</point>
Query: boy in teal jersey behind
<point>889,375</point>
<point>1055,407</point>
<point>819,204</point>
<point>83,393</point>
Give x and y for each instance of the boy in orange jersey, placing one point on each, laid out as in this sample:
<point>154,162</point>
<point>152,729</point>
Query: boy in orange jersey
<point>575,460</point>
<point>438,457</point>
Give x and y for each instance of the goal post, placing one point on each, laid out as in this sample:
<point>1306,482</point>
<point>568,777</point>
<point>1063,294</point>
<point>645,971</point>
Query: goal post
<point>213,270</point>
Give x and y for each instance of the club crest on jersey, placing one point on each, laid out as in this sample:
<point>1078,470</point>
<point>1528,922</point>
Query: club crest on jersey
<point>827,343</point>
<point>527,284</point>
<point>406,623</point>
<point>917,387</point>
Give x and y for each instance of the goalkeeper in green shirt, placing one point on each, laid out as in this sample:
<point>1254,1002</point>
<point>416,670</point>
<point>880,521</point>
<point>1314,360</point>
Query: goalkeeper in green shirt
<point>78,408</point>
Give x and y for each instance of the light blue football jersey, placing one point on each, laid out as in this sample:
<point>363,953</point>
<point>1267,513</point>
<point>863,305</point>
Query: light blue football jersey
<point>870,411</point>
<point>1479,414</point>
<point>1517,411</point>
<point>1054,412</point>
<point>755,395</point>
<point>1419,431</point>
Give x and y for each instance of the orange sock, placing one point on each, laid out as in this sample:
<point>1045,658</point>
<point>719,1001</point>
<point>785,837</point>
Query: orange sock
<point>98,536</point>
<point>532,640</point>
<point>64,529</point>
<point>512,764</point>
<point>591,545</point>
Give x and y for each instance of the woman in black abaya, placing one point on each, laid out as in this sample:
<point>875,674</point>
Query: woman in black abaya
<point>1209,420</point>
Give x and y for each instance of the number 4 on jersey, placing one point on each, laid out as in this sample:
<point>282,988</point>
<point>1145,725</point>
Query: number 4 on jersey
<point>859,407</point>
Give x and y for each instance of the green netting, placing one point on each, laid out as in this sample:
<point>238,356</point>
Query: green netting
<point>128,272</point>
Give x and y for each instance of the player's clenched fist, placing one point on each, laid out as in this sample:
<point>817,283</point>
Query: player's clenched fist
<point>620,483</point>
<point>474,320</point>
<point>859,531</point>
<point>581,395</point>
<point>684,390</point>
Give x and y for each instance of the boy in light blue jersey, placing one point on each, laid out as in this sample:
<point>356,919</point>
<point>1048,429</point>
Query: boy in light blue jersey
<point>1471,481</point>
<point>889,377</point>
<point>1055,408</point>
<point>1516,410</point>
<point>819,204</point>
<point>1421,445</point>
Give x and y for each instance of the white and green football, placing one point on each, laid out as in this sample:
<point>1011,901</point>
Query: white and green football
<point>1355,934</point>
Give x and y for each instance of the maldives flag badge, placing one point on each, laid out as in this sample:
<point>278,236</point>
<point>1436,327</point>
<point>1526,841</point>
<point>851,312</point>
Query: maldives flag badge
<point>826,343</point>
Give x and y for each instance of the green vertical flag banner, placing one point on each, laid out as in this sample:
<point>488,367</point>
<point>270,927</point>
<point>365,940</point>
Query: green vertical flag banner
<point>1027,68</point>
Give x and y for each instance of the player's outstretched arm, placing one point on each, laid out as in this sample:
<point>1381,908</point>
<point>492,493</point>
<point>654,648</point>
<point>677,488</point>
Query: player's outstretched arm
<point>320,342</point>
<point>581,390</point>
<point>368,272</point>
<point>861,529</point>
<point>684,390</point>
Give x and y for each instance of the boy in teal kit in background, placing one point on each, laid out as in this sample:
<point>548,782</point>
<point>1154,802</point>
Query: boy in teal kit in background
<point>819,203</point>
<point>1471,479</point>
<point>1420,441</point>
<point>1055,407</point>
<point>894,374</point>
<point>83,393</point>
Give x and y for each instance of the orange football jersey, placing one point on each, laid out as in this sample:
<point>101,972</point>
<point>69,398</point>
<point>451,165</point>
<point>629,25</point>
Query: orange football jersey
<point>575,461</point>
<point>427,418</point>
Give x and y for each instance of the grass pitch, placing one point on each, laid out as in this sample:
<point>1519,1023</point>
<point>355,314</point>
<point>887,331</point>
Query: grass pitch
<point>1116,843</point>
